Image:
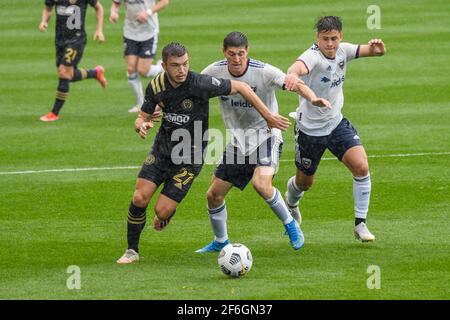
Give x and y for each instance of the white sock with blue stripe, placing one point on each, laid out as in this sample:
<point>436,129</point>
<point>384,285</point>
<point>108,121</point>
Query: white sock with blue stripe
<point>136,85</point>
<point>361,195</point>
<point>294,193</point>
<point>218,218</point>
<point>278,206</point>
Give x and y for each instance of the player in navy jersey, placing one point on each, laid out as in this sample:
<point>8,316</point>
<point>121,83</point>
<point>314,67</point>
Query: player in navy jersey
<point>176,156</point>
<point>70,40</point>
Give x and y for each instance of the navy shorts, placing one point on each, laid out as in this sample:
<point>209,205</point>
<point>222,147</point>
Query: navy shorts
<point>143,49</point>
<point>238,169</point>
<point>177,178</point>
<point>309,149</point>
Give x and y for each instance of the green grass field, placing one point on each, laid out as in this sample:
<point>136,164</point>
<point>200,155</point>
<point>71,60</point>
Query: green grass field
<point>400,104</point>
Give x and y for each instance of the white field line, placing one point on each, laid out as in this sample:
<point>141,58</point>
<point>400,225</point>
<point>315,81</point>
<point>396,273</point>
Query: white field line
<point>398,155</point>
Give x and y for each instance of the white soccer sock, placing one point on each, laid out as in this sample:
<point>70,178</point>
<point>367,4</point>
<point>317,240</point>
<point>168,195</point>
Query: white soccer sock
<point>136,86</point>
<point>278,206</point>
<point>218,218</point>
<point>154,70</point>
<point>361,195</point>
<point>294,193</point>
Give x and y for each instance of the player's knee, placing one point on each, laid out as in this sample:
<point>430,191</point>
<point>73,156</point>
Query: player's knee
<point>140,199</point>
<point>361,169</point>
<point>131,69</point>
<point>214,198</point>
<point>304,185</point>
<point>264,188</point>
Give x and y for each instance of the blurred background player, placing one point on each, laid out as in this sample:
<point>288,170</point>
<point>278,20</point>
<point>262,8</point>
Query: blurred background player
<point>140,36</point>
<point>254,151</point>
<point>70,40</point>
<point>323,68</point>
<point>184,97</point>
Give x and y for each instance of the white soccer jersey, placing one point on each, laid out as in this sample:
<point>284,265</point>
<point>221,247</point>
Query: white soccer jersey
<point>132,28</point>
<point>326,78</point>
<point>247,126</point>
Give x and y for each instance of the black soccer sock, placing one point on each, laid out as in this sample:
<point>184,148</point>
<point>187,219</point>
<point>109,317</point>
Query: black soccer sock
<point>359,220</point>
<point>61,95</point>
<point>81,74</point>
<point>136,222</point>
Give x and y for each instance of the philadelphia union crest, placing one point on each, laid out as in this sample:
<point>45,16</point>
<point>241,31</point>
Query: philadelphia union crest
<point>150,160</point>
<point>187,104</point>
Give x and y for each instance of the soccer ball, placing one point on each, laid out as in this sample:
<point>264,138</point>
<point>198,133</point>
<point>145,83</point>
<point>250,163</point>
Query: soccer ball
<point>235,260</point>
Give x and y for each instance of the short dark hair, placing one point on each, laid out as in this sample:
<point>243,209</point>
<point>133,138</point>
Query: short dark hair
<point>329,23</point>
<point>173,49</point>
<point>235,39</point>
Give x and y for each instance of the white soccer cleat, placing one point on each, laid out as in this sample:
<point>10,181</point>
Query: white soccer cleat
<point>136,108</point>
<point>362,233</point>
<point>294,210</point>
<point>130,256</point>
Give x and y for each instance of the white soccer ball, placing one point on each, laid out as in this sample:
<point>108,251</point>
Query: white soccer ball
<point>235,260</point>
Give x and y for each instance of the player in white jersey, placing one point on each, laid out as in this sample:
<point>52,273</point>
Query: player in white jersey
<point>323,67</point>
<point>140,34</point>
<point>254,151</point>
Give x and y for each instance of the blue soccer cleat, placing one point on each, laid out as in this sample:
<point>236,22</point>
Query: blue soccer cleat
<point>295,234</point>
<point>213,246</point>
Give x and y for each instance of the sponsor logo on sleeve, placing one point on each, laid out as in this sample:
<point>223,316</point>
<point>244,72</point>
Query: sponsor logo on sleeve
<point>215,81</point>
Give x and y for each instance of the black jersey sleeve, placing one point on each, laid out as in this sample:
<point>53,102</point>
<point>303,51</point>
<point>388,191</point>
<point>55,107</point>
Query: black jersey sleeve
<point>49,3</point>
<point>93,2</point>
<point>214,87</point>
<point>150,102</point>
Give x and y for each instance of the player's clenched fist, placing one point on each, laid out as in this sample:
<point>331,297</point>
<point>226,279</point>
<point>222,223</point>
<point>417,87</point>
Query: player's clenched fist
<point>43,26</point>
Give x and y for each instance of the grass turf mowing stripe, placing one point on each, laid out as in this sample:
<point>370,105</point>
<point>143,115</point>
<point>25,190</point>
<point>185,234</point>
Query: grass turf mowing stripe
<point>398,155</point>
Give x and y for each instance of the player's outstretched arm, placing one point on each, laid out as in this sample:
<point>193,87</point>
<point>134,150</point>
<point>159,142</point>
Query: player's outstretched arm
<point>303,90</point>
<point>273,120</point>
<point>114,12</point>
<point>143,123</point>
<point>296,70</point>
<point>46,14</point>
<point>373,48</point>
<point>145,14</point>
<point>98,34</point>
